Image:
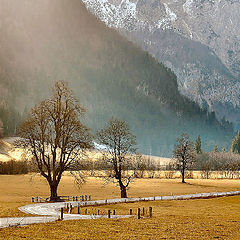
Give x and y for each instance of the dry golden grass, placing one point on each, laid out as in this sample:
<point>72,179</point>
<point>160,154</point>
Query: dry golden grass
<point>190,219</point>
<point>17,190</point>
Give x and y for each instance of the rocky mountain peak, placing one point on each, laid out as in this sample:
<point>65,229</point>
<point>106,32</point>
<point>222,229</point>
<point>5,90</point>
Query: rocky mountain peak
<point>206,57</point>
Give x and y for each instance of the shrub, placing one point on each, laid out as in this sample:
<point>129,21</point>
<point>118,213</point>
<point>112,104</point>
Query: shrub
<point>14,167</point>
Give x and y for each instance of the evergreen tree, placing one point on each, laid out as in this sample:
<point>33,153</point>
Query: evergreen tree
<point>236,143</point>
<point>216,149</point>
<point>198,145</point>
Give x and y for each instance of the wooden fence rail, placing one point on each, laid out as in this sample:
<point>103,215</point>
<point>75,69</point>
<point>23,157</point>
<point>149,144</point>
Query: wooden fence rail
<point>63,198</point>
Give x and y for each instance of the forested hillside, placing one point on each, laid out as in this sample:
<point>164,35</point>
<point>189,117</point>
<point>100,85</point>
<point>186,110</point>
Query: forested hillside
<point>52,40</point>
<point>198,40</point>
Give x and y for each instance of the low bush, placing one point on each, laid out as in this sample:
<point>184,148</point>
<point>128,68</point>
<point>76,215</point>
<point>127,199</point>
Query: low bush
<point>14,167</point>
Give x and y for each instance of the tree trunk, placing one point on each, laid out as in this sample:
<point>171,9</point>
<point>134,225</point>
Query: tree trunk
<point>123,192</point>
<point>183,175</point>
<point>53,191</point>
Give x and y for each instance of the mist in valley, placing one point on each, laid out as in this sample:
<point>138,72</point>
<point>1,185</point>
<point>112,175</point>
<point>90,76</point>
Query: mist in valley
<point>43,41</point>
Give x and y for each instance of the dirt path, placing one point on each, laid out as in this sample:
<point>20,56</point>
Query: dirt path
<point>48,212</point>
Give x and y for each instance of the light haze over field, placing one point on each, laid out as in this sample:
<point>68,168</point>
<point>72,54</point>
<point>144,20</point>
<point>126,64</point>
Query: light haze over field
<point>45,41</point>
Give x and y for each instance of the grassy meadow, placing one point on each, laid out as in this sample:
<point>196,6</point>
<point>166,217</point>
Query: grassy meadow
<point>217,218</point>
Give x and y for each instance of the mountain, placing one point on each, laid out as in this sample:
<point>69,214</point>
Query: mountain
<point>199,40</point>
<point>48,40</point>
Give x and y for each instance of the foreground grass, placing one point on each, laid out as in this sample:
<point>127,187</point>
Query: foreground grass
<point>17,190</point>
<point>217,218</point>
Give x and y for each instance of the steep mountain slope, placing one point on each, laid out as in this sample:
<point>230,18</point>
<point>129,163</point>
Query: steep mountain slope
<point>49,40</point>
<point>186,35</point>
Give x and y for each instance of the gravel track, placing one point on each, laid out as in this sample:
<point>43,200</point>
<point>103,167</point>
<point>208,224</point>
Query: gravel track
<point>48,212</point>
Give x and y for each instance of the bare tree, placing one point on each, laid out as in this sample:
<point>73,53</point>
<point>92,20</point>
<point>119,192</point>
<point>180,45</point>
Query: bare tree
<point>206,168</point>
<point>54,135</point>
<point>185,154</point>
<point>119,145</point>
<point>140,165</point>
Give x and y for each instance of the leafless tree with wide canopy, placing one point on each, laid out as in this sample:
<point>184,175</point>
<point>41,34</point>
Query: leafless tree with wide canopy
<point>185,154</point>
<point>120,146</point>
<point>54,135</point>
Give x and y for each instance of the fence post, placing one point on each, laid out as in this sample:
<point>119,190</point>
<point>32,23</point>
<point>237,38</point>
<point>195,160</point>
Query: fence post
<point>130,211</point>
<point>114,212</point>
<point>61,213</point>
<point>109,213</point>
<point>143,211</point>
<point>139,212</point>
<point>86,197</point>
<point>78,209</point>
<point>98,211</point>
<point>70,208</point>
<point>32,199</point>
<point>150,212</point>
<point>82,197</point>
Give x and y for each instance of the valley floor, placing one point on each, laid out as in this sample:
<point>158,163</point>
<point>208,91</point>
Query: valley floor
<point>217,218</point>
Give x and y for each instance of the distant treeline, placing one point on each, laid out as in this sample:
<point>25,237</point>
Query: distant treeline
<point>14,167</point>
<point>226,164</point>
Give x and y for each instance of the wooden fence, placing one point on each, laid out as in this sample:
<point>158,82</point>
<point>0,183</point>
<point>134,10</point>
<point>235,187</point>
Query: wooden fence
<point>64,198</point>
<point>110,213</point>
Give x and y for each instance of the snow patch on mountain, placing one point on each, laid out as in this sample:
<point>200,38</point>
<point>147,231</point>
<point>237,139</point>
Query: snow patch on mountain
<point>124,15</point>
<point>171,15</point>
<point>187,6</point>
<point>213,23</point>
<point>118,16</point>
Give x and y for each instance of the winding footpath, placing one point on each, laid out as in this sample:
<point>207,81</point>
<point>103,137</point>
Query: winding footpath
<point>48,212</point>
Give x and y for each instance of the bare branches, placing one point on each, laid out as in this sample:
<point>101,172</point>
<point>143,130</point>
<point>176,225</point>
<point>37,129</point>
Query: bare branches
<point>119,145</point>
<point>184,153</point>
<point>54,134</point>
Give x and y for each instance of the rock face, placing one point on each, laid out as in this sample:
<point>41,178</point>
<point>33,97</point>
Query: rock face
<point>48,40</point>
<point>199,40</point>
